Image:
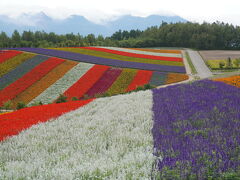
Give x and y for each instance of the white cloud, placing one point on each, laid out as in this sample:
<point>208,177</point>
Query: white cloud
<point>95,10</point>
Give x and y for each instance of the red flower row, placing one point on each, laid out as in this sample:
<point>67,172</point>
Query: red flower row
<point>142,77</point>
<point>13,123</point>
<point>86,81</point>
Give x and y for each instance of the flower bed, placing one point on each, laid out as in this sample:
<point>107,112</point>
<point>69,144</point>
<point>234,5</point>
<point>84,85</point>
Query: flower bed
<point>105,61</point>
<point>105,82</point>
<point>122,82</point>
<point>15,122</point>
<point>28,79</point>
<point>146,56</point>
<point>158,78</point>
<point>145,52</point>
<point>12,63</point>
<point>141,78</point>
<point>175,77</point>
<point>37,88</point>
<point>196,131</point>
<point>86,81</point>
<point>20,70</point>
<point>8,54</point>
<point>109,138</point>
<point>233,80</point>
<point>117,56</point>
<point>60,86</point>
<point>159,50</point>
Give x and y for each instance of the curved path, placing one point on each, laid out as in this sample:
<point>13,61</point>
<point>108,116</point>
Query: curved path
<point>202,69</point>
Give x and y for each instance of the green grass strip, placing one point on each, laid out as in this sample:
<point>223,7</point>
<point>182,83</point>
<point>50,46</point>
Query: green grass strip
<point>119,57</point>
<point>14,62</point>
<point>194,71</point>
<point>122,82</point>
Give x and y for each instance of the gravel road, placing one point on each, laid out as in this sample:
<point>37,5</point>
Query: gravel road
<point>198,62</point>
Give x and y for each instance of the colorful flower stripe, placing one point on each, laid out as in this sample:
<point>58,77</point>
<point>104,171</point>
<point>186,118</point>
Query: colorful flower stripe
<point>159,50</point>
<point>233,80</point>
<point>12,63</point>
<point>28,79</point>
<point>86,82</point>
<point>175,77</point>
<point>105,61</point>
<point>105,82</point>
<point>196,130</point>
<point>158,78</point>
<point>145,52</point>
<point>13,123</point>
<point>37,88</point>
<point>122,53</point>
<point>20,70</point>
<point>142,77</point>
<point>122,82</point>
<point>112,56</point>
<point>5,55</point>
<point>109,138</point>
<point>59,87</point>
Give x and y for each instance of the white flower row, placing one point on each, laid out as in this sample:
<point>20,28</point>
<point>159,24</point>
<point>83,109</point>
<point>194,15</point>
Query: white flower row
<point>60,86</point>
<point>109,138</point>
<point>144,52</point>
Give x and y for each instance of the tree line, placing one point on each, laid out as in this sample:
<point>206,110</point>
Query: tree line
<point>217,35</point>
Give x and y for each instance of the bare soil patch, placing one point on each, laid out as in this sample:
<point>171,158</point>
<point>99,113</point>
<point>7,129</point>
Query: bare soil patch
<point>219,54</point>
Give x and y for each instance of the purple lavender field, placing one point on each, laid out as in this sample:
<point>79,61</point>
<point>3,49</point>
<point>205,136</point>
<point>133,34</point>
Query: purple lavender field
<point>197,131</point>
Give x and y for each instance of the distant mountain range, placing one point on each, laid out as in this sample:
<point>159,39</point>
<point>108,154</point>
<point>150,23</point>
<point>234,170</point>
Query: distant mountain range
<point>79,24</point>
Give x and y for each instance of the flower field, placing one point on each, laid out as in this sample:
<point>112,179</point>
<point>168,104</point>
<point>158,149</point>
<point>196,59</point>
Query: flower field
<point>5,55</point>
<point>32,79</point>
<point>28,79</point>
<point>109,59</point>
<point>187,131</point>
<point>12,63</point>
<point>20,70</point>
<point>232,80</point>
<point>196,131</point>
<point>142,51</point>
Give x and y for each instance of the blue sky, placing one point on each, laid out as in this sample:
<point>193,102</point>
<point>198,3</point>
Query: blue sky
<point>103,10</point>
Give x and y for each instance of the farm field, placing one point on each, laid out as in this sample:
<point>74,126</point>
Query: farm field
<point>219,54</point>
<point>218,60</point>
<point>177,132</point>
<point>32,78</point>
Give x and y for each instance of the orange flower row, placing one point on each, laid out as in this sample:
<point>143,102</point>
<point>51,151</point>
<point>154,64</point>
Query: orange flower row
<point>175,77</point>
<point>233,80</point>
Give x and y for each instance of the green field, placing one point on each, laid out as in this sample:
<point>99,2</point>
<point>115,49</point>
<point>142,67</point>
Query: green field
<point>219,64</point>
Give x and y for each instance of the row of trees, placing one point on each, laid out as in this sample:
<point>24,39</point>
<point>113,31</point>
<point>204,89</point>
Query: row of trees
<point>192,35</point>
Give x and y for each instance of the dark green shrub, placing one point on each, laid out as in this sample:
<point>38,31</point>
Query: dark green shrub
<point>7,105</point>
<point>21,105</point>
<point>221,65</point>
<point>61,99</point>
<point>75,99</point>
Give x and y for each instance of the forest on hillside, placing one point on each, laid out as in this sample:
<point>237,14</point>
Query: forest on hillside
<point>217,35</point>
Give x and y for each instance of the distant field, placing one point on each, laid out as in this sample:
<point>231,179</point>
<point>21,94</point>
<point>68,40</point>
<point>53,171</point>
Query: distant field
<point>218,54</point>
<point>218,60</point>
<point>216,64</point>
<point>32,78</point>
